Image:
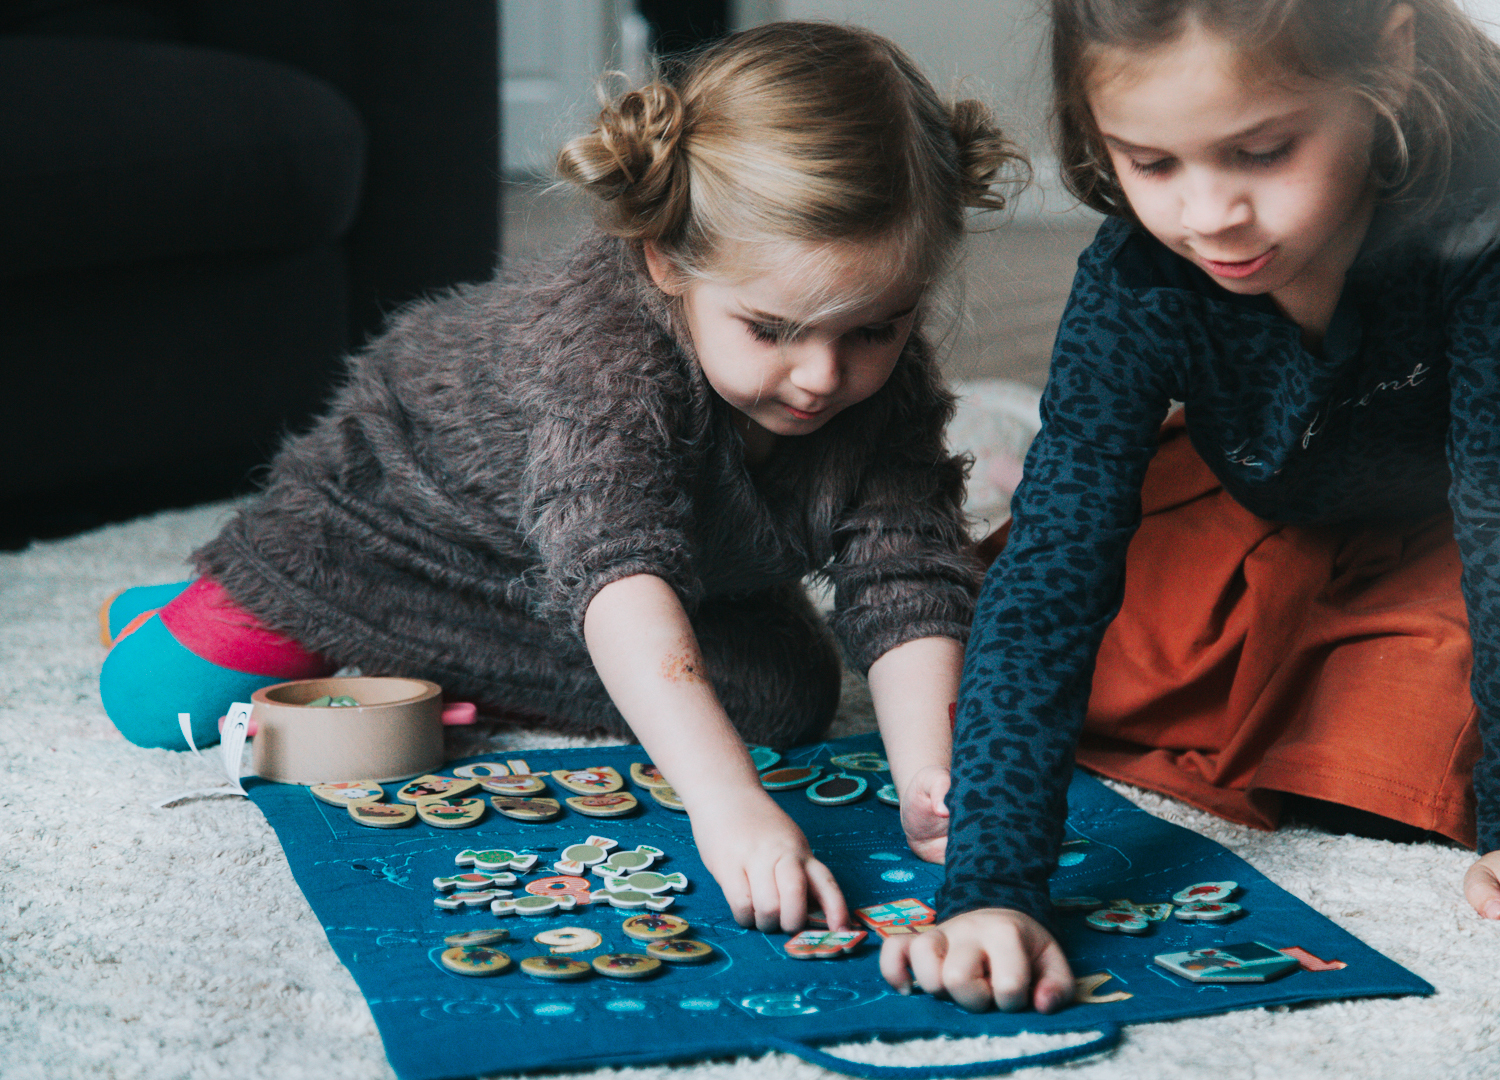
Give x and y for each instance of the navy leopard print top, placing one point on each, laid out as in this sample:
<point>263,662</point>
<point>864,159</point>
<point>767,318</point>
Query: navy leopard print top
<point>1404,397</point>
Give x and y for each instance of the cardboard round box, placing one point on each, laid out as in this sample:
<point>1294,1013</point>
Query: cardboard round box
<point>395,731</point>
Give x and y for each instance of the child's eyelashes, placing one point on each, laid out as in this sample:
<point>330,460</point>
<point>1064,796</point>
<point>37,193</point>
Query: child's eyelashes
<point>1158,167</point>
<point>1254,159</point>
<point>1266,158</point>
<point>780,333</point>
<point>880,334</point>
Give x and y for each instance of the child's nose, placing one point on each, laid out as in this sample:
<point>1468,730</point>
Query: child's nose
<point>818,369</point>
<point>1210,205</point>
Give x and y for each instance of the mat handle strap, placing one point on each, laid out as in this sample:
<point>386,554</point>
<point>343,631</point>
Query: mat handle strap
<point>1107,1039</point>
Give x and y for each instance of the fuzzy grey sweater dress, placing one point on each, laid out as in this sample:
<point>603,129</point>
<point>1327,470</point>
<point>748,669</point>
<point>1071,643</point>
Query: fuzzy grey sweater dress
<point>505,451</point>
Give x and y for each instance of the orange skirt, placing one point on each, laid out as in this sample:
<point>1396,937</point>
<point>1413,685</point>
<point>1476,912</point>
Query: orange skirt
<point>1251,659</point>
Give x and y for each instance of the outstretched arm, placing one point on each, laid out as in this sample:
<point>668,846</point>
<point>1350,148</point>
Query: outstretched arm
<point>914,687</point>
<point>647,655</point>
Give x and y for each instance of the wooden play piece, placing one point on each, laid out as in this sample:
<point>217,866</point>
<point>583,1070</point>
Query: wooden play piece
<point>477,937</point>
<point>1110,921</point>
<point>575,888</point>
<point>628,899</point>
<point>595,780</point>
<point>1310,962</point>
<point>1208,891</point>
<point>577,858</point>
<point>526,809</point>
<point>864,761</point>
<point>785,779</point>
<point>519,767</point>
<point>382,815</point>
<point>897,917</point>
<point>1149,912</point>
<point>1085,990</point>
<point>1077,903</point>
<point>626,965</point>
<point>569,939</point>
<point>556,968</point>
<point>838,789</point>
<point>886,793</point>
<point>495,860</point>
<point>646,881</point>
<point>532,906</point>
<point>763,757</point>
<point>474,960</point>
<point>481,770</point>
<point>680,951</point>
<point>348,792</point>
<point>628,862</point>
<point>451,813</point>
<point>654,927</point>
<point>472,881</point>
<point>668,798</point>
<point>1246,962</point>
<point>474,898</point>
<point>823,944</point>
<point>1208,911</point>
<point>615,804</point>
<point>647,775</point>
<point>434,787</point>
<point>525,784</point>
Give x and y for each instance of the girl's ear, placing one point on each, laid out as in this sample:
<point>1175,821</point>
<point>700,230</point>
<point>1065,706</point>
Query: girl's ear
<point>1399,41</point>
<point>667,279</point>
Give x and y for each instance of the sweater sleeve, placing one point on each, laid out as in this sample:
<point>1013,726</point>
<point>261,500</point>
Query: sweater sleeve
<point>1473,335</point>
<point>903,568</point>
<point>1047,600</point>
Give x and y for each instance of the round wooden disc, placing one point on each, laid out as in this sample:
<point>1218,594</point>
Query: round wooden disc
<point>523,784</point>
<point>476,937</point>
<point>451,813</point>
<point>474,960</point>
<point>349,792</point>
<point>782,779</point>
<point>569,939</point>
<point>669,798</point>
<point>680,951</point>
<point>526,809</point>
<point>554,967</point>
<point>383,815</point>
<point>614,805</point>
<point>626,965</point>
<point>838,789</point>
<point>654,927</point>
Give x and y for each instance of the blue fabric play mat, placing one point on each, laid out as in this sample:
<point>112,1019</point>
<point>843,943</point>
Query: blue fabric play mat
<point>373,891</point>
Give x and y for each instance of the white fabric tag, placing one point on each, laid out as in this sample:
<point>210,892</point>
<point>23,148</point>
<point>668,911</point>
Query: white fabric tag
<point>231,750</point>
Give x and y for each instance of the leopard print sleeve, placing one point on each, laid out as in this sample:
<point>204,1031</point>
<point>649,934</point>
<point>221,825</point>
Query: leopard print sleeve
<point>1046,602</point>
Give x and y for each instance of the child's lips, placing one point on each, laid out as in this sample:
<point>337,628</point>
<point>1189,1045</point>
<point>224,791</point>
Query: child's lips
<point>1241,269</point>
<point>805,414</point>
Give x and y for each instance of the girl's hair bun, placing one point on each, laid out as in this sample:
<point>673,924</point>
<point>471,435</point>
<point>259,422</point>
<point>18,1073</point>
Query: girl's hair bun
<point>632,163</point>
<point>988,162</point>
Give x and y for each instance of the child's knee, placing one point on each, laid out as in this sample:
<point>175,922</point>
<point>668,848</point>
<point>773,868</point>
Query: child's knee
<point>149,677</point>
<point>121,609</point>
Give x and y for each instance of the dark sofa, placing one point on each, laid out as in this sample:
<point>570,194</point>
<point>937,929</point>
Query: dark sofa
<point>206,203</point>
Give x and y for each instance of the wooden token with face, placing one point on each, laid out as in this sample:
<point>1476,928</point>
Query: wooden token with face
<point>681,951</point>
<point>555,967</point>
<point>526,809</point>
<point>434,787</point>
<point>516,785</point>
<point>476,937</point>
<point>349,792</point>
<point>451,813</point>
<point>594,780</point>
<point>654,927</point>
<point>474,960</point>
<point>669,798</point>
<point>617,804</point>
<point>626,965</point>
<point>648,775</point>
<point>382,815</point>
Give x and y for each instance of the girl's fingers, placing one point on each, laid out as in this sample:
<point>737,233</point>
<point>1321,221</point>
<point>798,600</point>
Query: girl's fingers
<point>765,897</point>
<point>791,888</point>
<point>976,982</point>
<point>1054,979</point>
<point>926,958</point>
<point>830,898</point>
<point>895,960</point>
<point>737,894</point>
<point>1482,886</point>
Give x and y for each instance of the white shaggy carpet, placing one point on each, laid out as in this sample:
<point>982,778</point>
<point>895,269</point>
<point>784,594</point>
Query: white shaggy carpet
<point>162,944</point>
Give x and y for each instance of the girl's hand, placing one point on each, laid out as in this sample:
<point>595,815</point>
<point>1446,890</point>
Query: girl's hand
<point>924,814</point>
<point>993,957</point>
<point>764,865</point>
<point>1482,885</point>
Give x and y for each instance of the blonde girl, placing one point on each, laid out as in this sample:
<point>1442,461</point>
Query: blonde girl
<point>1303,245</point>
<point>586,494</point>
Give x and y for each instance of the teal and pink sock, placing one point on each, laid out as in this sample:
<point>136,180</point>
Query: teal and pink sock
<point>195,651</point>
